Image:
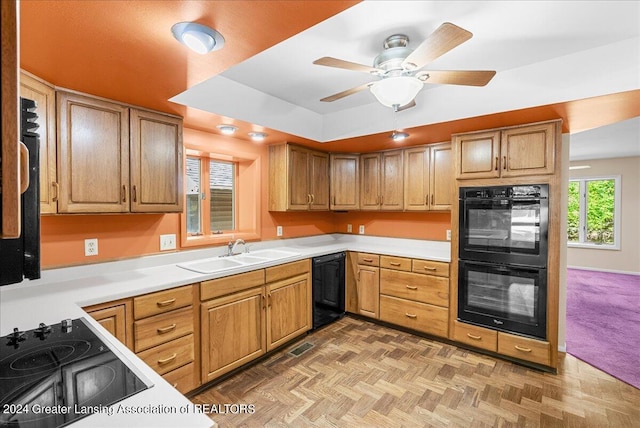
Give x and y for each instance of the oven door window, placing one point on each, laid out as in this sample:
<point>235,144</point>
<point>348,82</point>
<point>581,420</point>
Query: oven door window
<point>503,226</point>
<point>504,298</point>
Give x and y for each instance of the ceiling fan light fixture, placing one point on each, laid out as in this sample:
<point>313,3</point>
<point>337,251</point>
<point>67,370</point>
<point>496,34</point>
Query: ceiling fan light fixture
<point>396,90</point>
<point>227,129</point>
<point>197,37</point>
<point>257,136</point>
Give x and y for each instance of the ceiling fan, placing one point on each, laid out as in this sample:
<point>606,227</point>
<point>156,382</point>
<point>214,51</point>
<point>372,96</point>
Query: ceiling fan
<point>398,68</point>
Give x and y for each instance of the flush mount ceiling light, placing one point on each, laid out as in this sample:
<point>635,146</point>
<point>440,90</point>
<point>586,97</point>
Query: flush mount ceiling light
<point>257,136</point>
<point>197,37</point>
<point>398,136</point>
<point>396,91</point>
<point>227,129</point>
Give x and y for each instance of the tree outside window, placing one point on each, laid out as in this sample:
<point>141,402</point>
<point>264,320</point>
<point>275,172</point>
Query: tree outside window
<point>593,209</point>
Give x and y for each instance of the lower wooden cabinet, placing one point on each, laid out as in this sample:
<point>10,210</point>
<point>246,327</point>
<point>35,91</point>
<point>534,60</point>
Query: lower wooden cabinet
<point>232,331</point>
<point>368,288</point>
<point>116,318</point>
<point>288,310</point>
<point>475,336</point>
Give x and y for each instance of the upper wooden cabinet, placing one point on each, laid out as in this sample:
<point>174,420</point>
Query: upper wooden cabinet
<point>298,179</point>
<point>428,175</point>
<point>44,95</point>
<point>510,152</point>
<point>381,181</point>
<point>345,181</point>
<point>93,155</point>
<point>156,162</point>
<point>102,170</point>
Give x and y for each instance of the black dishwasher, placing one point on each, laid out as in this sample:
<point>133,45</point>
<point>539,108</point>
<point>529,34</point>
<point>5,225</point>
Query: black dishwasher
<point>328,288</point>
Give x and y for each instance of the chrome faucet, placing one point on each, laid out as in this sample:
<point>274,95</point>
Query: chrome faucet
<point>232,245</point>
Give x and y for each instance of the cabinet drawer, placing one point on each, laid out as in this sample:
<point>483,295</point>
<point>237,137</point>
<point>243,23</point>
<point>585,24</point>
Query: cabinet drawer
<point>184,378</point>
<point>524,348</point>
<point>421,288</point>
<point>431,268</point>
<point>475,336</point>
<point>162,301</point>
<point>368,259</point>
<point>287,270</point>
<point>417,316</point>
<point>162,328</point>
<point>169,356</point>
<point>398,263</point>
<point>231,284</point>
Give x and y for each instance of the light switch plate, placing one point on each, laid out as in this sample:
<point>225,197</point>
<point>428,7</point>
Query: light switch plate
<point>448,234</point>
<point>361,229</point>
<point>279,230</point>
<point>91,247</point>
<point>349,228</point>
<point>168,242</point>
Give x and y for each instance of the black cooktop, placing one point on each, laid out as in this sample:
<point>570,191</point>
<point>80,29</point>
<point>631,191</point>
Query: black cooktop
<point>54,375</point>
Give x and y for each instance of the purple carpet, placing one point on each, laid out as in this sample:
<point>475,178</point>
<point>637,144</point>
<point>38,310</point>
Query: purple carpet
<point>603,322</point>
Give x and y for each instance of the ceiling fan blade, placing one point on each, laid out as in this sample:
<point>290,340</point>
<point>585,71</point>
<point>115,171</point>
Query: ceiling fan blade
<point>458,77</point>
<point>408,105</point>
<point>346,93</point>
<point>446,37</point>
<point>339,63</point>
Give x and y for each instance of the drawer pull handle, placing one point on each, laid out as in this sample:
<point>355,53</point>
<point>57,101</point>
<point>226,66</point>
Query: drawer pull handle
<point>474,337</point>
<point>166,302</point>
<point>429,268</point>
<point>411,315</point>
<point>394,263</point>
<point>520,348</point>
<point>412,287</point>
<point>169,359</point>
<point>175,385</point>
<point>164,330</point>
<point>367,260</point>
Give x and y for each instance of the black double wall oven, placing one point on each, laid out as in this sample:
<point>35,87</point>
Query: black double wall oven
<point>503,248</point>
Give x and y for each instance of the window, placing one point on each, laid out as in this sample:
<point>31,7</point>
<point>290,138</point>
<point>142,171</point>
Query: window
<point>593,212</point>
<point>210,196</point>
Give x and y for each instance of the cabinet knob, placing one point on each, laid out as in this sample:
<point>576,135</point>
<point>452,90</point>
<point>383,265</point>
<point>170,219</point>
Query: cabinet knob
<point>124,193</point>
<point>56,188</point>
<point>504,162</point>
<point>523,349</point>
<point>169,359</point>
<point>408,315</point>
<point>134,196</point>
<point>497,160</point>
<point>166,302</point>
<point>412,287</point>
<point>474,337</point>
<point>164,330</point>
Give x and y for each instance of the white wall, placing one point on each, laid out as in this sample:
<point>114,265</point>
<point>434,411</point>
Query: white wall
<point>627,259</point>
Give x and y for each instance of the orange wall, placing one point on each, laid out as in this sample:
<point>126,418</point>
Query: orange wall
<point>131,235</point>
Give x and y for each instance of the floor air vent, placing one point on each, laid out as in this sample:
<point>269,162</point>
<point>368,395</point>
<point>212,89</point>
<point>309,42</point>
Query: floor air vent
<point>300,349</point>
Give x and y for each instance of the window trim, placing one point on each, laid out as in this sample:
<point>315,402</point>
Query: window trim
<point>616,215</point>
<point>247,176</point>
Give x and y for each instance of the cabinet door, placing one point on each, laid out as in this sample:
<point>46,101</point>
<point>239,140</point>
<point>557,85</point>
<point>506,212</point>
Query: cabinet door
<point>93,155</point>
<point>113,319</point>
<point>345,182</point>
<point>441,174</point>
<point>231,332</point>
<point>528,150</point>
<point>45,97</point>
<point>478,155</point>
<point>288,310</point>
<point>298,178</point>
<point>392,181</point>
<point>370,181</point>
<point>156,162</point>
<point>368,289</point>
<point>416,179</point>
<point>319,180</point>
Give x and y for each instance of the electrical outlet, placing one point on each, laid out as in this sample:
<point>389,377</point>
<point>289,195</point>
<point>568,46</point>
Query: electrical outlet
<point>168,242</point>
<point>349,228</point>
<point>91,247</point>
<point>279,230</point>
<point>448,235</point>
<point>361,229</point>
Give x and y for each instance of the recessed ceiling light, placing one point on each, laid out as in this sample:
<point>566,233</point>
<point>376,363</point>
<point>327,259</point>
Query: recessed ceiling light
<point>257,136</point>
<point>399,136</point>
<point>197,37</point>
<point>227,129</point>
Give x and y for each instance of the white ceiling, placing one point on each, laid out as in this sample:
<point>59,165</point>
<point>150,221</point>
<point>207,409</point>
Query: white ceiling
<point>544,52</point>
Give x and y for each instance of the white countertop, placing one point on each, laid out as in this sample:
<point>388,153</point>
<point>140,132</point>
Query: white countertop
<point>61,294</point>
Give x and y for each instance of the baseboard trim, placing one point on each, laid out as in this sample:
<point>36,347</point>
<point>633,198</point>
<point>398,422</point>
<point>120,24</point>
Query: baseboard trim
<point>603,270</point>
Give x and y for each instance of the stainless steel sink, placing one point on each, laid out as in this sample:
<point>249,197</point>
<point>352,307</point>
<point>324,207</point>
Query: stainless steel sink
<point>219,264</point>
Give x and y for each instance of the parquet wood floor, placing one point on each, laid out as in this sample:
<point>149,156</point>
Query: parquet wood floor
<point>360,374</point>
